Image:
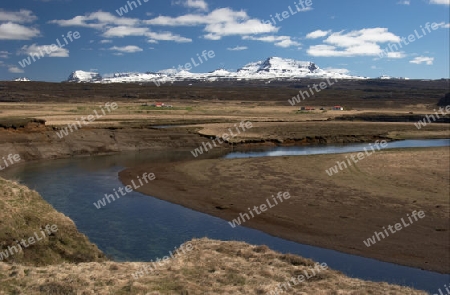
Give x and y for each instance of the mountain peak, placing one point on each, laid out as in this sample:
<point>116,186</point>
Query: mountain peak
<point>270,68</point>
<point>82,76</point>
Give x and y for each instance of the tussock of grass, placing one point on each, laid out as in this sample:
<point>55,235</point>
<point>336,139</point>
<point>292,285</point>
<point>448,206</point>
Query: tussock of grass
<point>207,269</point>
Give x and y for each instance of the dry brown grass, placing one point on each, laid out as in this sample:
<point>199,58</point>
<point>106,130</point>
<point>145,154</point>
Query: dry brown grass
<point>331,131</point>
<point>23,213</point>
<point>212,267</point>
<point>184,112</point>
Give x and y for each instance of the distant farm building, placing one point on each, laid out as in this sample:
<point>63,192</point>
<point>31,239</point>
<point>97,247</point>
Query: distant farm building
<point>307,109</point>
<point>159,105</point>
<point>338,108</point>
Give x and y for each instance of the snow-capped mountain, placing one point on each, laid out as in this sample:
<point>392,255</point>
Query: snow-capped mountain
<point>279,67</point>
<point>273,68</point>
<point>82,76</point>
<point>22,79</point>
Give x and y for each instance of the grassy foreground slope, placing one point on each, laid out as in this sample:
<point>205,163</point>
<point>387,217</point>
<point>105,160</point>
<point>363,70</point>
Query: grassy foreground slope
<point>24,215</point>
<point>212,267</point>
<point>67,263</point>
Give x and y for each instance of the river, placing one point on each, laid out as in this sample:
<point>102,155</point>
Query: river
<point>141,228</point>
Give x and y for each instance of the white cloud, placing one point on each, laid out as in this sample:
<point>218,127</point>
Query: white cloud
<point>11,31</point>
<point>364,42</point>
<point>375,35</point>
<point>197,4</point>
<point>340,71</point>
<point>96,20</point>
<point>22,16</point>
<point>396,54</point>
<point>317,34</point>
<point>280,41</point>
<point>444,25</point>
<point>404,2</point>
<point>287,42</point>
<point>212,37</point>
<point>263,28</point>
<point>441,2</point>
<point>15,70</point>
<point>237,48</point>
<point>4,54</point>
<point>11,27</point>
<point>218,23</point>
<point>124,31</point>
<point>167,36</point>
<point>126,49</point>
<point>105,41</point>
<point>44,50</point>
<point>422,59</point>
<point>118,27</point>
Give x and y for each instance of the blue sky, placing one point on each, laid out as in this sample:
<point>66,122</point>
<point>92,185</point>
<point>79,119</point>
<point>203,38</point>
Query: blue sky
<point>349,35</point>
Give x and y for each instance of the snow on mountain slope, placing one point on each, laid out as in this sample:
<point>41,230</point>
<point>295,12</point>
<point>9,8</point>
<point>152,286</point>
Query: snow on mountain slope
<point>278,67</point>
<point>271,68</point>
<point>82,76</point>
<point>22,79</point>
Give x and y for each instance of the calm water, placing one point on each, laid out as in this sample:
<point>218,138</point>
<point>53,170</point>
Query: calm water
<point>334,149</point>
<point>142,228</point>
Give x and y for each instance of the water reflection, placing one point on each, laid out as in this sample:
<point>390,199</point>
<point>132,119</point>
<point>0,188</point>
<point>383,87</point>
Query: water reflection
<point>333,149</point>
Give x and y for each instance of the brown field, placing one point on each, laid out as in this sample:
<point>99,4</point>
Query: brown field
<point>372,94</point>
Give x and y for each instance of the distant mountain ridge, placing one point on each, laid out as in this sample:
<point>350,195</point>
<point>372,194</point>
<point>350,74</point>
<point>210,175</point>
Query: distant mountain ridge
<point>273,68</point>
<point>22,79</point>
